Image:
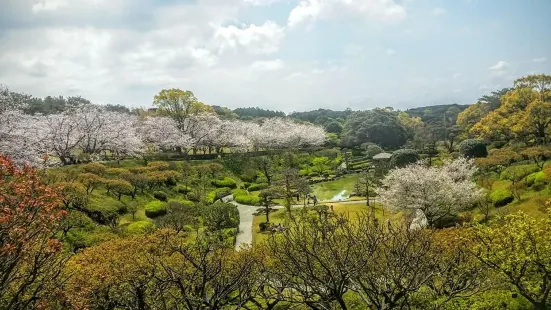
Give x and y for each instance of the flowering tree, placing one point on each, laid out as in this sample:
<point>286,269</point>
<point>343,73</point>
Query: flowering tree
<point>436,192</point>
<point>163,133</point>
<point>30,257</point>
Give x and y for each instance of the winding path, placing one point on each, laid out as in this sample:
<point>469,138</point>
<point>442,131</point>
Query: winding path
<point>245,234</point>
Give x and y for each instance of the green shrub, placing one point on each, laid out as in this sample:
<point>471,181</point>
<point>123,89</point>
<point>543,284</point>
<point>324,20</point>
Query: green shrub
<point>263,226</point>
<point>218,193</point>
<point>239,192</point>
<point>472,148</point>
<point>158,165</point>
<point>224,182</point>
<point>140,227</point>
<point>257,187</point>
<point>183,189</point>
<point>155,208</point>
<point>247,200</point>
<point>535,177</point>
<point>519,172</point>
<point>175,203</point>
<point>246,184</point>
<point>501,197</point>
<point>162,196</point>
<point>372,150</point>
<point>404,157</point>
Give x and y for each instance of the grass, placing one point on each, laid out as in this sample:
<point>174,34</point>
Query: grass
<point>327,190</point>
<point>350,210</point>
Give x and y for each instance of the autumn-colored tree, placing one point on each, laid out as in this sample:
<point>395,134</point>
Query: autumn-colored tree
<point>538,154</point>
<point>91,181</point>
<point>73,194</point>
<point>518,248</point>
<point>30,256</point>
<point>497,160</point>
<point>524,113</point>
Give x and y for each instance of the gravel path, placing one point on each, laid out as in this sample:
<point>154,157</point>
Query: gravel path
<point>245,234</point>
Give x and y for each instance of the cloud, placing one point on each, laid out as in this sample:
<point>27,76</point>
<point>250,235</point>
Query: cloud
<point>539,59</point>
<point>48,5</point>
<point>390,52</point>
<point>263,39</point>
<point>261,2</point>
<point>438,11</point>
<point>378,10</point>
<point>267,65</point>
<point>500,65</point>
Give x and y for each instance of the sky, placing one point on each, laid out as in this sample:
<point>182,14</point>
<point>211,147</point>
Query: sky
<point>288,55</point>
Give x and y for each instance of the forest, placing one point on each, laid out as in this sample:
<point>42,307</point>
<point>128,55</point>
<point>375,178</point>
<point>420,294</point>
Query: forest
<point>195,206</point>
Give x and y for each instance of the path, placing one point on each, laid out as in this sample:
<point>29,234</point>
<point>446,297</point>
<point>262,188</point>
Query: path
<point>245,233</point>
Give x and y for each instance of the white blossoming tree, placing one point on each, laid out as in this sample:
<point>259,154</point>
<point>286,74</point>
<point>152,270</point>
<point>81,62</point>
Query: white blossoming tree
<point>433,192</point>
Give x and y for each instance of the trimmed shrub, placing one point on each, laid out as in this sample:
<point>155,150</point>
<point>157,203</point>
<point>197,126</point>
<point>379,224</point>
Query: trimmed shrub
<point>95,168</point>
<point>158,165</point>
<point>372,150</point>
<point>162,196</point>
<point>176,203</point>
<point>218,193</point>
<point>155,208</point>
<point>404,157</point>
<point>247,200</point>
<point>536,177</point>
<point>472,148</point>
<point>501,197</point>
<point>246,184</point>
<point>140,227</point>
<point>224,182</point>
<point>182,189</point>
<point>519,172</point>
<point>257,187</point>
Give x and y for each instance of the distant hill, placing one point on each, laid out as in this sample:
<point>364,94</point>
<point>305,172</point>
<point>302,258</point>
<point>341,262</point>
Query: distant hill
<point>436,113</point>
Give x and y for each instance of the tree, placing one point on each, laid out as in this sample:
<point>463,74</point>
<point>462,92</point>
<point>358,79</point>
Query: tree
<point>267,197</point>
<point>178,216</point>
<point>404,157</point>
<point>438,192</point>
<point>320,164</point>
<point>30,256</point>
<point>498,159</point>
<point>366,183</point>
<point>517,248</point>
<point>74,219</point>
<point>472,148</point>
<point>378,126</point>
<point>538,154</point>
<point>91,181</point>
<point>220,215</point>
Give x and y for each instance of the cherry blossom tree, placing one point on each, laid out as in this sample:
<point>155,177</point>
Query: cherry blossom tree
<point>163,133</point>
<point>437,192</point>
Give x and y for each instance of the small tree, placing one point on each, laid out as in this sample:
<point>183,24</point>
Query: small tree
<point>404,157</point>
<point>267,198</point>
<point>320,164</point>
<point>538,154</point>
<point>438,192</point>
<point>366,182</point>
<point>220,215</point>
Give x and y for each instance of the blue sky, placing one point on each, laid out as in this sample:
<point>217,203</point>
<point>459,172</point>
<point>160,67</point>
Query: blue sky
<point>289,55</point>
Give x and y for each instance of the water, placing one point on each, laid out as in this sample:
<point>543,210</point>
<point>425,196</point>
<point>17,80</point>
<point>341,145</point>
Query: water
<point>340,196</point>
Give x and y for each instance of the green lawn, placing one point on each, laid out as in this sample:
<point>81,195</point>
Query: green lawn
<point>325,191</point>
<point>350,210</point>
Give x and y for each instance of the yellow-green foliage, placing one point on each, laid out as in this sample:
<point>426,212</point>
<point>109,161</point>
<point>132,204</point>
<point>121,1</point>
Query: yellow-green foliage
<point>139,227</point>
<point>155,208</point>
<point>501,197</point>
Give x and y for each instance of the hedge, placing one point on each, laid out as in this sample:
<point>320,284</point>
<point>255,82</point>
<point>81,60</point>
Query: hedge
<point>155,208</point>
<point>257,187</point>
<point>139,227</point>
<point>183,189</point>
<point>247,200</point>
<point>162,196</point>
<point>218,193</point>
<point>224,182</point>
<point>178,202</point>
<point>501,197</point>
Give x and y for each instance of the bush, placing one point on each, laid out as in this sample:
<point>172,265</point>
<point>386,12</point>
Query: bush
<point>95,168</point>
<point>246,184</point>
<point>179,203</point>
<point>257,187</point>
<point>263,226</point>
<point>519,172</point>
<point>224,182</point>
<point>501,197</point>
<point>247,200</point>
<point>218,193</point>
<point>239,192</point>
<point>372,150</point>
<point>404,157</point>
<point>220,215</point>
<point>155,208</point>
<point>472,148</point>
<point>536,177</point>
<point>183,189</point>
<point>158,165</point>
<point>162,196</point>
<point>140,227</point>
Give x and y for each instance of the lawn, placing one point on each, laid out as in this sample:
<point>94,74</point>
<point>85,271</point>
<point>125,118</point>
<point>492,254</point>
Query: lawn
<point>327,191</point>
<point>351,210</point>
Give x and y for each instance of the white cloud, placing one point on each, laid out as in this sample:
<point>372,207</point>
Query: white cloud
<point>500,65</point>
<point>264,39</point>
<point>48,5</point>
<point>261,2</point>
<point>438,11</point>
<point>390,52</point>
<point>539,59</point>
<point>379,10</point>
<point>268,65</point>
